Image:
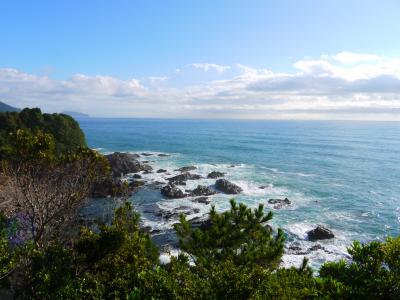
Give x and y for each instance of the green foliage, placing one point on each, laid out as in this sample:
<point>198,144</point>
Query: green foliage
<point>240,235</point>
<point>373,272</point>
<point>65,130</point>
<point>7,255</point>
<point>101,265</point>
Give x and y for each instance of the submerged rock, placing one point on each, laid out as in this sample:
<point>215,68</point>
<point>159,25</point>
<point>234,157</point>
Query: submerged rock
<point>186,169</point>
<point>171,191</point>
<point>215,174</point>
<point>320,233</point>
<point>202,190</point>
<point>163,155</point>
<point>161,171</point>
<point>146,154</point>
<point>137,176</point>
<point>227,187</point>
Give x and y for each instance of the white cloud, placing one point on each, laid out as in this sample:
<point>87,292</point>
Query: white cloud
<point>209,67</point>
<point>352,87</point>
<point>349,58</point>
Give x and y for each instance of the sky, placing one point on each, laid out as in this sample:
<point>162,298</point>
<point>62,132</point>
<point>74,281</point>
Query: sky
<point>336,60</point>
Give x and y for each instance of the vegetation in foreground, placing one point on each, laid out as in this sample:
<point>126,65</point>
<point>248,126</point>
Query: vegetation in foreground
<point>46,254</point>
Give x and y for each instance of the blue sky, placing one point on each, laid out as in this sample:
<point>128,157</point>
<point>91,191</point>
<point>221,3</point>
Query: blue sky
<point>143,57</point>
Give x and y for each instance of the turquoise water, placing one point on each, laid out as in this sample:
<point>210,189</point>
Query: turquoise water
<point>344,175</point>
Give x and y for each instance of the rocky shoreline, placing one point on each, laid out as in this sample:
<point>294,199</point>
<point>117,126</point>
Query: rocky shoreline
<point>133,171</point>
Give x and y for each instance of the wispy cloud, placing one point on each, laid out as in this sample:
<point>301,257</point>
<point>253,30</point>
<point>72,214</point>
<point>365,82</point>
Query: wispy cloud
<point>341,86</point>
<point>209,67</point>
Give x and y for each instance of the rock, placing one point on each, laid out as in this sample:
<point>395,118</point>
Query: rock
<point>316,247</point>
<point>215,174</point>
<point>146,154</point>
<point>202,190</point>
<point>263,187</point>
<point>201,223</point>
<point>183,177</point>
<point>227,187</point>
<point>171,191</point>
<point>320,233</point>
<point>113,187</point>
<point>161,171</point>
<point>123,163</point>
<point>163,155</point>
<point>136,183</point>
<point>175,213</point>
<point>137,176</point>
<point>203,200</point>
<point>279,203</point>
<point>186,169</point>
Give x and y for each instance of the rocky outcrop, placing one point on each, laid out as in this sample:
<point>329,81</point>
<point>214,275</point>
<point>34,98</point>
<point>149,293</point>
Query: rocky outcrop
<point>202,190</point>
<point>203,200</point>
<point>186,169</point>
<point>171,191</point>
<point>320,233</point>
<point>227,187</point>
<point>123,163</point>
<point>113,187</point>
<point>183,177</point>
<point>279,203</point>
<point>215,175</point>
<point>176,212</point>
<point>161,171</point>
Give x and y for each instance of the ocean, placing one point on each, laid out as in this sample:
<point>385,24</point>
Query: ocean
<point>342,175</point>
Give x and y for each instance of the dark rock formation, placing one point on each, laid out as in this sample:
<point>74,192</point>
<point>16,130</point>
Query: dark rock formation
<point>161,171</point>
<point>279,203</point>
<point>200,222</point>
<point>215,174</point>
<point>163,155</point>
<point>186,169</point>
<point>183,177</point>
<point>146,154</point>
<point>202,190</point>
<point>203,200</point>
<point>176,212</point>
<point>171,191</point>
<point>137,176</point>
<point>113,187</point>
<point>123,163</point>
<point>227,187</point>
<point>320,233</point>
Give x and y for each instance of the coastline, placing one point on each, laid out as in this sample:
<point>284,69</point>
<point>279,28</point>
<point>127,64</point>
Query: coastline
<point>159,212</point>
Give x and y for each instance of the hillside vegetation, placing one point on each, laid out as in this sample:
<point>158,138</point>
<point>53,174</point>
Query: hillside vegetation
<point>66,131</point>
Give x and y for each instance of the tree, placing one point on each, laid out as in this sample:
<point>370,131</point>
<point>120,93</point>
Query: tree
<point>45,187</point>
<point>109,263</point>
<point>68,136</point>
<point>240,235</point>
<point>373,272</point>
<point>234,251</point>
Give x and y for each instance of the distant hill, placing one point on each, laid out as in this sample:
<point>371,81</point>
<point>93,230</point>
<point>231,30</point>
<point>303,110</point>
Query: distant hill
<point>5,107</point>
<point>75,114</point>
<point>65,130</point>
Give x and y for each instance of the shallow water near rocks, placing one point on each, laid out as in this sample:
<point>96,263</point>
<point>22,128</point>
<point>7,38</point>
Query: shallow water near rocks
<point>343,175</point>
